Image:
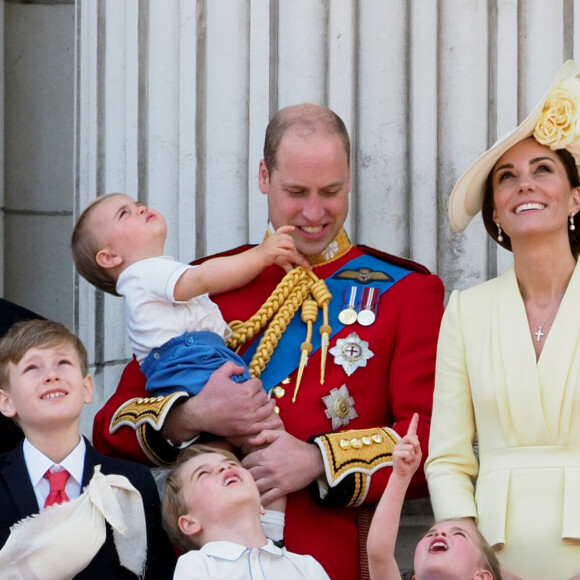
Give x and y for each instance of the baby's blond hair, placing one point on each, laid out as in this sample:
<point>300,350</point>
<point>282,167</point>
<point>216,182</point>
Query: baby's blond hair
<point>84,246</point>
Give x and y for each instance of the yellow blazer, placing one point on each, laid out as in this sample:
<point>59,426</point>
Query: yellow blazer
<point>526,416</point>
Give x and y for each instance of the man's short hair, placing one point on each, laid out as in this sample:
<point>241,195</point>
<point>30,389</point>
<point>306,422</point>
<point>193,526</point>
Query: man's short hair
<point>27,334</point>
<point>305,119</point>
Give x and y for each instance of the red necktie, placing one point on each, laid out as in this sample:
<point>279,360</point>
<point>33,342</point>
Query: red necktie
<point>57,482</point>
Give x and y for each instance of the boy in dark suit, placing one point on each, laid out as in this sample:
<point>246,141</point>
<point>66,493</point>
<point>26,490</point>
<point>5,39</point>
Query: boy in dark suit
<point>110,530</point>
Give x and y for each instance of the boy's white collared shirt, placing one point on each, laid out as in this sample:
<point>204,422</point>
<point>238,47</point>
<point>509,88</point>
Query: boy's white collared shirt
<point>37,464</point>
<point>230,561</point>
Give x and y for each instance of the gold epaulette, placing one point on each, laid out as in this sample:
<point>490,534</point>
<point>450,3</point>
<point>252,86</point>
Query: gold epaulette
<point>358,453</point>
<point>144,410</point>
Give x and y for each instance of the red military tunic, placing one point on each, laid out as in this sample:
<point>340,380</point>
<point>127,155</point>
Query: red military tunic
<point>396,382</point>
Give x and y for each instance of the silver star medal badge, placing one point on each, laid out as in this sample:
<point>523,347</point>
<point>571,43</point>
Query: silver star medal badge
<point>339,407</point>
<point>351,352</point>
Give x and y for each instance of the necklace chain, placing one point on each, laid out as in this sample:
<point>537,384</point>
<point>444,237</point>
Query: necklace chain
<point>539,334</point>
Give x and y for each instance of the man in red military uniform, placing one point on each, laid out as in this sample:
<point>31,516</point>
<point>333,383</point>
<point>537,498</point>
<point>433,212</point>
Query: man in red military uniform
<point>345,374</point>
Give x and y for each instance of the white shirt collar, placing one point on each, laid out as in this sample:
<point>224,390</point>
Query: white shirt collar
<point>38,463</point>
<point>232,551</point>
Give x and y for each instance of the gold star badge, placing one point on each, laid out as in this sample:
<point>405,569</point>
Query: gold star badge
<point>351,352</point>
<point>339,407</point>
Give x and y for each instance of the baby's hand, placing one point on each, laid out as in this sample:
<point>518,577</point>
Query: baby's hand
<point>407,453</point>
<point>280,249</point>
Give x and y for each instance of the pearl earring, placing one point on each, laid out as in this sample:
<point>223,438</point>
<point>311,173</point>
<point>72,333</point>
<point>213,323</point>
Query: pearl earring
<point>499,236</point>
<point>572,225</point>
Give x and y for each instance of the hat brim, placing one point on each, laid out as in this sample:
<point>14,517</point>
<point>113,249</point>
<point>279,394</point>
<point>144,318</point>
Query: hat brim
<point>466,198</point>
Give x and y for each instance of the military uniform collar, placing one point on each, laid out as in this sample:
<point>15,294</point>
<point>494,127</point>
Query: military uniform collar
<point>340,246</point>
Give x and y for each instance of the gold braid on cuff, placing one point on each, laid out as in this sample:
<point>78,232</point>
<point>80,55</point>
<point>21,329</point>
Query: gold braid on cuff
<point>140,411</point>
<point>358,453</point>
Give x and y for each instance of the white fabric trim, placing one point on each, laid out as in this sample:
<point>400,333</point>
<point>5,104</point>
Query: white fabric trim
<point>59,542</point>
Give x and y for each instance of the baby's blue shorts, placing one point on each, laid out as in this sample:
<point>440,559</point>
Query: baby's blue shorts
<point>186,362</point>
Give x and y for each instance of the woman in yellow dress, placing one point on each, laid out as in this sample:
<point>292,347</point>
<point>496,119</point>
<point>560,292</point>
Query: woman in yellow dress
<point>508,361</point>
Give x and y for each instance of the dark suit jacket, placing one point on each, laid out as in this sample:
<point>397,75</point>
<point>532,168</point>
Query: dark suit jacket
<point>17,501</point>
<point>10,433</point>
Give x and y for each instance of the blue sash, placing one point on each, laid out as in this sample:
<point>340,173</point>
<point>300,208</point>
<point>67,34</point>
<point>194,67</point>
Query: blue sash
<point>286,356</point>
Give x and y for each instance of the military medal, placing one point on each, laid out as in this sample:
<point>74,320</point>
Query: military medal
<point>367,315</point>
<point>339,407</point>
<point>351,352</point>
<point>348,313</point>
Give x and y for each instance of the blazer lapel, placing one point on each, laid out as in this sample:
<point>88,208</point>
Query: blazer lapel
<point>17,482</point>
<point>559,364</point>
<point>519,397</point>
<point>92,458</point>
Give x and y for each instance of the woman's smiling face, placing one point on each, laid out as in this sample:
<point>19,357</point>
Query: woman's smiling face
<point>532,194</point>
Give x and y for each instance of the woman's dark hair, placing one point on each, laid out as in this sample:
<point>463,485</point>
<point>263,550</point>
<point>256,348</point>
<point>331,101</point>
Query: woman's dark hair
<point>487,210</point>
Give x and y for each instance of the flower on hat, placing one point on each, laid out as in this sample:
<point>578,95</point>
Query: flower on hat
<point>559,124</point>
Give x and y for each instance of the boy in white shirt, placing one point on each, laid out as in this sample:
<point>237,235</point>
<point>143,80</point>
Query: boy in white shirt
<point>211,510</point>
<point>177,333</point>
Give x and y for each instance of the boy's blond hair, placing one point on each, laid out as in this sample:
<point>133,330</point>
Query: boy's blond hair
<point>174,504</point>
<point>85,248</point>
<point>27,334</point>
